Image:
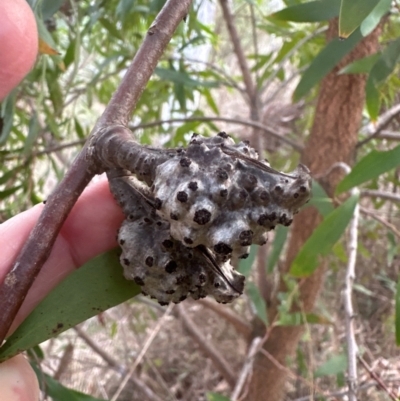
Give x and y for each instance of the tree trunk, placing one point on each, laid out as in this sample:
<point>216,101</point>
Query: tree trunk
<point>332,139</point>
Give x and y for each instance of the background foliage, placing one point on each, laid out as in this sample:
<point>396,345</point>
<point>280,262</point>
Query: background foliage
<point>86,46</point>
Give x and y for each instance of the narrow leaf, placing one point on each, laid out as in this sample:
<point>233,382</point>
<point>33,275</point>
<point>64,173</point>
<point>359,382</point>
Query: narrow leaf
<point>324,237</point>
<point>96,286</point>
<point>245,265</point>
<point>7,117</point>
<point>373,100</point>
<point>181,77</point>
<point>369,167</point>
<point>320,199</point>
<point>373,19</point>
<point>313,11</point>
<point>352,14</point>
<point>360,66</point>
<point>258,302</point>
<point>281,233</point>
<point>324,63</point>
<point>216,397</point>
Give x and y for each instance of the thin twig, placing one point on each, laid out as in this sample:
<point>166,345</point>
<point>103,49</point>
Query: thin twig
<point>207,347</point>
<point>41,240</point>
<point>383,121</point>
<point>381,220</point>
<point>378,380</point>
<point>254,124</point>
<point>352,348</point>
<point>246,369</point>
<point>113,363</point>
<point>372,193</point>
<point>140,357</point>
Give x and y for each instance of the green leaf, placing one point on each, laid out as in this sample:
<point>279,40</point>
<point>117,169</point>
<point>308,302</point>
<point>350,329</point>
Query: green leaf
<point>313,11</point>
<point>258,302</point>
<point>373,100</point>
<point>325,61</point>
<point>323,238</point>
<point>360,66</point>
<point>281,233</point>
<point>7,192</point>
<point>369,167</point>
<point>216,397</point>
<point>96,286</point>
<point>320,199</point>
<point>333,366</point>
<point>245,265</point>
<point>33,132</point>
<point>111,28</point>
<point>373,19</point>
<point>7,117</point>
<point>54,389</point>
<point>352,14</point>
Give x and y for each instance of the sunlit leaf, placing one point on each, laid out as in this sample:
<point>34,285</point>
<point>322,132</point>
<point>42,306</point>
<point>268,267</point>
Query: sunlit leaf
<point>352,14</point>
<point>369,167</point>
<point>313,11</point>
<point>361,66</point>
<point>216,397</point>
<point>323,238</point>
<point>373,19</point>
<point>372,99</point>
<point>96,286</point>
<point>324,62</point>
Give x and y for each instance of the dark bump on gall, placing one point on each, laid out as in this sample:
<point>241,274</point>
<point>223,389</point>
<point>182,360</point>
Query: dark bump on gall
<point>171,266</point>
<point>168,243</point>
<point>278,188</point>
<point>182,196</point>
<point>222,174</point>
<point>188,240</point>
<point>244,256</point>
<point>223,134</point>
<point>147,220</point>
<point>157,203</point>
<point>296,195</point>
<point>173,216</point>
<point>130,217</point>
<point>170,292</point>
<point>223,192</point>
<point>217,284</point>
<point>126,262</point>
<point>222,248</point>
<point>303,188</point>
<point>121,241</point>
<point>246,237</point>
<point>262,219</point>
<point>182,298</point>
<point>202,278</point>
<point>193,185</point>
<point>159,223</point>
<point>162,303</point>
<point>202,216</point>
<point>185,162</point>
<point>149,261</point>
<point>138,280</point>
<point>272,216</point>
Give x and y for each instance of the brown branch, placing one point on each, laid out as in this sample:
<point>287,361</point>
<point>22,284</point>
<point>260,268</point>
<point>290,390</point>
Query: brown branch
<point>41,240</point>
<point>206,346</point>
<point>372,193</point>
<point>237,48</point>
<point>255,124</point>
<point>231,317</point>
<point>381,220</point>
<point>378,380</point>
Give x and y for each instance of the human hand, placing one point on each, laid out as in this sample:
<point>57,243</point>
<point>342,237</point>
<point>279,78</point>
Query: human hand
<point>89,230</point>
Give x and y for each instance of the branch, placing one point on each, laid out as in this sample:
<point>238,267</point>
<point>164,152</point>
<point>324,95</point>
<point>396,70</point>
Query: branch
<point>352,348</point>
<point>41,240</point>
<point>381,220</point>
<point>247,368</point>
<point>383,121</point>
<point>255,124</point>
<point>380,194</point>
<point>234,319</point>
<point>378,380</point>
<point>237,48</point>
<point>206,346</point>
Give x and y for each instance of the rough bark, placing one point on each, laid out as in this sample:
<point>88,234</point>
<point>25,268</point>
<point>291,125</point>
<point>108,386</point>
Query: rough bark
<point>333,139</point>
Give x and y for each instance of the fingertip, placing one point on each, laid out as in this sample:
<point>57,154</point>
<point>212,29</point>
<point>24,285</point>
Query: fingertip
<point>18,381</point>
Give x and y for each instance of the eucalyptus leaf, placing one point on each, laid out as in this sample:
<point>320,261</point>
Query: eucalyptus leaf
<point>352,14</point>
<point>373,19</point>
<point>281,233</point>
<point>89,290</point>
<point>258,302</point>
<point>333,366</point>
<point>323,238</point>
<point>324,63</point>
<point>312,11</point>
<point>369,167</point>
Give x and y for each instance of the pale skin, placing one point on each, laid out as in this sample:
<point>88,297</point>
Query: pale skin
<point>89,230</point>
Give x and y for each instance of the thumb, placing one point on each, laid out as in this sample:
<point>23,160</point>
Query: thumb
<point>18,381</point>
